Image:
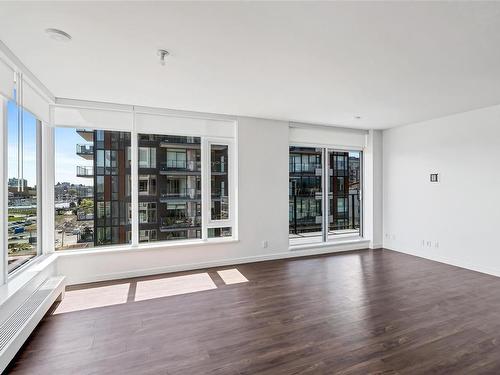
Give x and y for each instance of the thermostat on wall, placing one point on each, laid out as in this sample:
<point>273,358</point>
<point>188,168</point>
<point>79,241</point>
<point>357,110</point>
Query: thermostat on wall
<point>434,177</point>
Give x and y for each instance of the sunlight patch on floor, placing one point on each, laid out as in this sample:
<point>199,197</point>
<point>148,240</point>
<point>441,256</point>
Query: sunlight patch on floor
<point>171,286</point>
<point>232,276</point>
<point>89,298</point>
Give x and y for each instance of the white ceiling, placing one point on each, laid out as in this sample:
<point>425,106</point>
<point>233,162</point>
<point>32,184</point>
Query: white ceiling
<point>390,62</point>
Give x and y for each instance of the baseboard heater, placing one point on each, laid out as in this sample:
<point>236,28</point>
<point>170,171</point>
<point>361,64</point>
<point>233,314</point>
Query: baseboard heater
<point>16,329</point>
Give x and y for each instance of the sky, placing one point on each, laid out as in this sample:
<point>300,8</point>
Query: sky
<point>29,144</point>
<point>66,159</point>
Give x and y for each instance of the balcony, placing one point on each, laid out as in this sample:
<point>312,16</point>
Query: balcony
<point>85,172</point>
<point>305,168</point>
<point>219,195</point>
<point>190,142</point>
<point>219,167</point>
<point>85,151</point>
<point>180,167</point>
<point>86,134</point>
<point>179,223</point>
<point>87,235</point>
<point>84,216</point>
<point>182,194</point>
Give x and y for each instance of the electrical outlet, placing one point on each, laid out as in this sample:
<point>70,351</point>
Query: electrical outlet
<point>429,243</point>
<point>265,244</point>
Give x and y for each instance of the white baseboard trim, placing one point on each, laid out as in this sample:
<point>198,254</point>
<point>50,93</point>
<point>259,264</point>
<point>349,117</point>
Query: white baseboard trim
<point>452,262</point>
<point>376,246</point>
<point>358,245</point>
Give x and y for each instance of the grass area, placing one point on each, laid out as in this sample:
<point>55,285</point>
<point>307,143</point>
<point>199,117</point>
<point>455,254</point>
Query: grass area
<point>23,212</point>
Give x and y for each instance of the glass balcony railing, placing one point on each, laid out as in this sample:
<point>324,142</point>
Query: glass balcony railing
<point>180,222</point>
<point>84,216</point>
<point>180,140</point>
<point>85,151</point>
<point>180,165</point>
<point>84,171</point>
<point>189,193</point>
<point>303,167</point>
<point>219,166</point>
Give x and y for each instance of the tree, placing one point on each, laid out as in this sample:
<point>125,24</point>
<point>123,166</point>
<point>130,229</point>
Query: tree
<point>87,205</point>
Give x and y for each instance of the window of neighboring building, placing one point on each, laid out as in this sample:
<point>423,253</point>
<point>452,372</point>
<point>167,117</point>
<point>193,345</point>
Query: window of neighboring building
<point>147,185</point>
<point>147,157</point>
<point>147,212</point>
<point>147,235</point>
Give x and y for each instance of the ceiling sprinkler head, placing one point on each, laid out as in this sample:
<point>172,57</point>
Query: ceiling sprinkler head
<point>163,53</point>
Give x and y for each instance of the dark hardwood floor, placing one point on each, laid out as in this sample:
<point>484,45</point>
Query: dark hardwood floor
<point>350,313</point>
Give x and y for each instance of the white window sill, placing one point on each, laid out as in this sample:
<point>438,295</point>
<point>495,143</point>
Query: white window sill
<point>342,240</point>
<point>161,245</point>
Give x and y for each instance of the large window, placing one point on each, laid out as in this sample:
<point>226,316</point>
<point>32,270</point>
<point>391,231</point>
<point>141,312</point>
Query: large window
<point>93,185</point>
<point>172,196</point>
<point>173,210</point>
<point>23,141</point>
<point>92,188</point>
<point>311,194</point>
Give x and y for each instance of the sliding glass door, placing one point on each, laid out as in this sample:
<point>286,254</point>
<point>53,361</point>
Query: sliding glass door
<point>321,181</point>
<point>306,194</point>
<point>344,189</point>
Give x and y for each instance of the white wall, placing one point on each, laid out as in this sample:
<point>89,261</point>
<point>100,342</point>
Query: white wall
<point>458,217</point>
<point>373,189</point>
